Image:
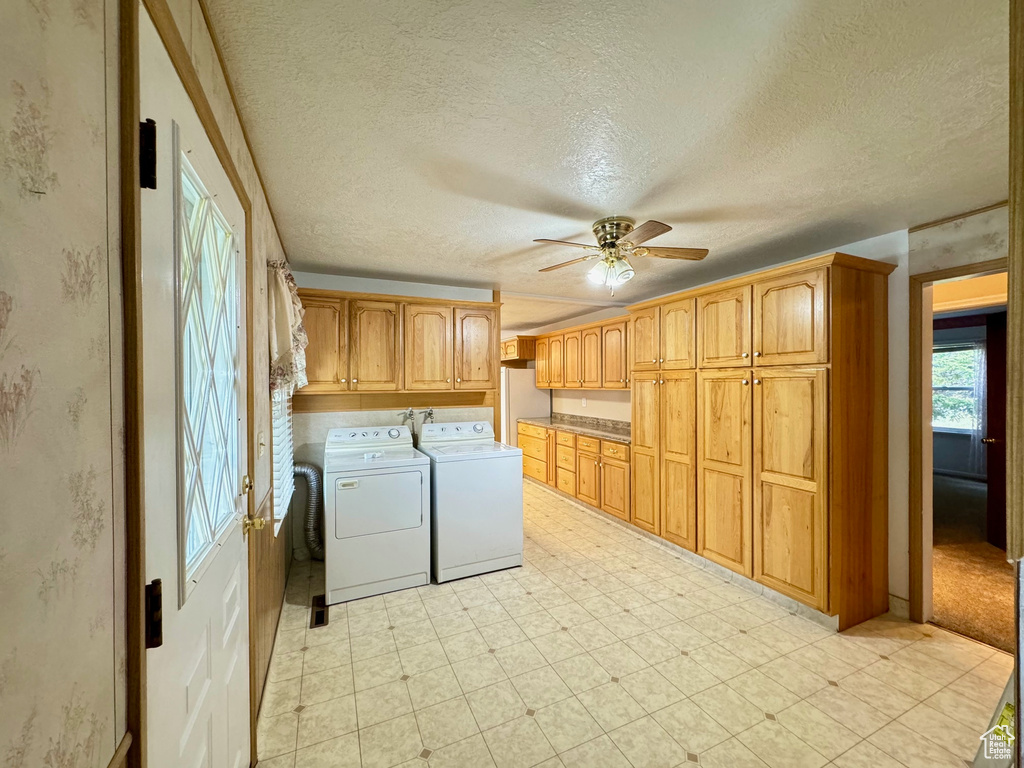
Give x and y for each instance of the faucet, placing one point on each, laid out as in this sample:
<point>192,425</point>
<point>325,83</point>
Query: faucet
<point>428,415</point>
<point>408,415</point>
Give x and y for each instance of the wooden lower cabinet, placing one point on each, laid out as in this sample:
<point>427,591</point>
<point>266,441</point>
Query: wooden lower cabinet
<point>565,481</point>
<point>678,470</point>
<point>790,484</point>
<point>588,478</point>
<point>615,487</point>
<point>724,465</point>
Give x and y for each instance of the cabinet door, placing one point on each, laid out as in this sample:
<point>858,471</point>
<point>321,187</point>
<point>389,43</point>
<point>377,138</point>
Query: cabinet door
<point>428,347</point>
<point>590,358</point>
<point>375,361</point>
<point>542,365</point>
<point>724,328</point>
<point>678,337</point>
<point>614,371</point>
<point>724,459</point>
<point>508,350</point>
<point>588,479</point>
<point>476,348</point>
<point>552,459</point>
<point>790,483</point>
<point>644,511</point>
<point>326,323</point>
<point>790,319</point>
<point>645,341</point>
<point>615,487</point>
<point>678,458</point>
<point>556,362</point>
<point>571,351</point>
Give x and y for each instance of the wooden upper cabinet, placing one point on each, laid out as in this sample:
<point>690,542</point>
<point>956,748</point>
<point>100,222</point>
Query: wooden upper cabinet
<point>678,337</point>
<point>724,459</point>
<point>429,357</point>
<point>790,319</point>
<point>476,348</point>
<point>556,361</point>
<point>790,482</point>
<point>590,357</point>
<point>645,339</point>
<point>678,395</point>
<point>543,377</point>
<point>375,358</point>
<point>724,328</point>
<point>326,322</point>
<point>614,369</point>
<point>572,359</point>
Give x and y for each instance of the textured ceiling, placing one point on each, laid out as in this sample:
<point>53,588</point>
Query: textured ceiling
<point>433,140</point>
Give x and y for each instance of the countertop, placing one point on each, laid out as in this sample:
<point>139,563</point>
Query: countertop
<point>603,430</point>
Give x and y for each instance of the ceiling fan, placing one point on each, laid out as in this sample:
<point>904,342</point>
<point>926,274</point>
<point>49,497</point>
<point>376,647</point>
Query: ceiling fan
<point>617,240</point>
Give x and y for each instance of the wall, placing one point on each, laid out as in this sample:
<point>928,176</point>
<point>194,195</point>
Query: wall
<point>392,287</point>
<point>601,404</point>
<point>62,642</point>
<point>310,435</point>
<point>967,240</point>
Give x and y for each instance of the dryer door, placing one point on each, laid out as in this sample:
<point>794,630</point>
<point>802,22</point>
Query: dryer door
<point>367,504</point>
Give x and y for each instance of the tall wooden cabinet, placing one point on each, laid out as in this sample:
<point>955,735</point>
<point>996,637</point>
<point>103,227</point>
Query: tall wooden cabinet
<point>781,379</point>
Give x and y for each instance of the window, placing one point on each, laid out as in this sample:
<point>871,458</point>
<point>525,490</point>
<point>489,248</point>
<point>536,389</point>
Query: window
<point>958,387</point>
<point>284,466</point>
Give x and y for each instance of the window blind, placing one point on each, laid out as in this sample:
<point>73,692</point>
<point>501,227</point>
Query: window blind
<point>284,466</point>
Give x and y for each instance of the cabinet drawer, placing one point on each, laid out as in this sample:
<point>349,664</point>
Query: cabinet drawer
<point>615,450</point>
<point>533,447</point>
<point>533,431</point>
<point>535,468</point>
<point>589,444</point>
<point>566,458</point>
<point>566,438</point>
<point>566,481</point>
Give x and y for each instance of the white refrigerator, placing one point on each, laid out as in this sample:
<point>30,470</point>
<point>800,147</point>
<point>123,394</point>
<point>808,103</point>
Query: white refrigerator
<point>521,399</point>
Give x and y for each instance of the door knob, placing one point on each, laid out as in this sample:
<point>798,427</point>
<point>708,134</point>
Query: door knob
<point>253,524</point>
<point>989,440</point>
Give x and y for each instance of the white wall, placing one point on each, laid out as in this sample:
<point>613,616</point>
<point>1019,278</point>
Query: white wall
<point>392,287</point>
<point>601,404</point>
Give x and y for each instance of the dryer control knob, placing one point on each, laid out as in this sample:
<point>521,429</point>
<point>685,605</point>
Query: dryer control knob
<point>393,433</point>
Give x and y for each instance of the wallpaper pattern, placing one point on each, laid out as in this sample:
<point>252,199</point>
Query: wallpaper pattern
<point>61,448</point>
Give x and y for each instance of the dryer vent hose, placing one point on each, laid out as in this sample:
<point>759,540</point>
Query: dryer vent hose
<point>314,508</point>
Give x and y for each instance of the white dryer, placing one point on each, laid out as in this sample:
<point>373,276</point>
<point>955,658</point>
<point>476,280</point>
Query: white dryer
<point>477,499</point>
<point>376,513</point>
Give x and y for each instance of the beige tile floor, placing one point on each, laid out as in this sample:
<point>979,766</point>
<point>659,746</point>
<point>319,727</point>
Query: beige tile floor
<point>607,650</point>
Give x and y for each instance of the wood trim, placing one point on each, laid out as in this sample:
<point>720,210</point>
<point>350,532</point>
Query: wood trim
<point>916,426</point>
<point>120,758</point>
<point>131,289</point>
<point>398,400</point>
<point>325,293</point>
<point>836,259</point>
<point>956,217</point>
<point>1015,302</point>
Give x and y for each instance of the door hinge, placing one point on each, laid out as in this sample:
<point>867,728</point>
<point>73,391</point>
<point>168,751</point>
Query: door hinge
<point>147,154</point>
<point>154,614</point>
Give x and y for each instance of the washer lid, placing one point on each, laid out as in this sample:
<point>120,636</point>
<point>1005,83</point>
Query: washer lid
<point>372,458</point>
<point>465,451</point>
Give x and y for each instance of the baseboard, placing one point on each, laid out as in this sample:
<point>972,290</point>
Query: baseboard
<point>899,606</point>
<point>756,589</point>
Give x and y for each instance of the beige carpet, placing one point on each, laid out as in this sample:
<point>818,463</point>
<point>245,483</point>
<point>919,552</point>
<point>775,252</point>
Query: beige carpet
<point>972,582</point>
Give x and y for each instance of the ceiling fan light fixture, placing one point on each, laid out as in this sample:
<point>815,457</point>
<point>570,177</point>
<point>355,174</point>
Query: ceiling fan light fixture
<point>600,272</point>
<point>621,272</point>
<point>611,271</point>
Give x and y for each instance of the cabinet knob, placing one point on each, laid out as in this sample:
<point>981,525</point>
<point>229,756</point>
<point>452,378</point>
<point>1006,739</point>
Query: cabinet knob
<point>654,361</point>
<point>757,381</point>
<point>344,380</point>
<point>448,381</point>
<point>355,381</point>
<point>757,354</point>
<point>661,381</point>
<point>745,382</point>
<point>744,355</point>
<point>661,360</point>
<point>622,381</point>
<point>458,380</point>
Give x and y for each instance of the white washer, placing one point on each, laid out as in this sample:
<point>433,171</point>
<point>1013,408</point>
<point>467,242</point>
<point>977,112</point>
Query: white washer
<point>477,499</point>
<point>376,513</point>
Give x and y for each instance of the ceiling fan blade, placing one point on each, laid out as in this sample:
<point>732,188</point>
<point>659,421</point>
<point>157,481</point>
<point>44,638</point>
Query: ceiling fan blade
<point>567,263</point>
<point>692,254</point>
<point>565,242</point>
<point>646,231</point>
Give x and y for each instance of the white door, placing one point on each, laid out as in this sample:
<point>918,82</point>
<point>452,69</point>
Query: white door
<point>193,310</point>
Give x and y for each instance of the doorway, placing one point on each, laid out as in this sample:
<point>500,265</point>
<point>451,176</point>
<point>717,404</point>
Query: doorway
<point>964,583</point>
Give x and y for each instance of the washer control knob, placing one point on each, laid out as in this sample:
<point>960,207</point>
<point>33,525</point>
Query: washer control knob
<point>393,433</point>
<point>478,428</point>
